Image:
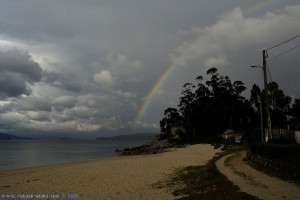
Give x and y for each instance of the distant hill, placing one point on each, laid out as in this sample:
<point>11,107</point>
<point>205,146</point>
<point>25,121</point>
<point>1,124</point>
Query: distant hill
<point>136,136</point>
<point>5,136</point>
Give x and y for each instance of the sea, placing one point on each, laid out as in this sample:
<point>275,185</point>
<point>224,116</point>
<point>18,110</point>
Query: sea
<point>28,153</point>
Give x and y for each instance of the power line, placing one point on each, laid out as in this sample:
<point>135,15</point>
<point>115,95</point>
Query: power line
<point>284,52</point>
<point>283,42</point>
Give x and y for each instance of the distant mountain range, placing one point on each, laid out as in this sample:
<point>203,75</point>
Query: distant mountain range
<point>5,136</point>
<point>137,136</point>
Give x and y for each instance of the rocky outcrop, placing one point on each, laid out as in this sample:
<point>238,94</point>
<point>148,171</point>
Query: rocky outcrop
<point>154,147</point>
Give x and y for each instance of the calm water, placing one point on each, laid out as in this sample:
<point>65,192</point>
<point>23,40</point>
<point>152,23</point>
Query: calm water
<point>27,153</point>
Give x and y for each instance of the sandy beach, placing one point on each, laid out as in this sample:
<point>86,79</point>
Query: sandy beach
<point>116,178</point>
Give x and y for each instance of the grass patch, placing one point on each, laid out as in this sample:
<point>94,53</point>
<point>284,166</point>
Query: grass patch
<point>203,182</point>
<point>228,160</point>
<point>249,179</point>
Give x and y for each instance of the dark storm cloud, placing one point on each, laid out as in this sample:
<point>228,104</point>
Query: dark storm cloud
<point>101,58</point>
<point>17,69</point>
<point>12,85</point>
<point>63,80</point>
<point>20,62</point>
<point>32,103</point>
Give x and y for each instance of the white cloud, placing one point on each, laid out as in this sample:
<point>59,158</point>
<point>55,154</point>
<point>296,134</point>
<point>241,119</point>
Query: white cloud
<point>93,100</point>
<point>233,33</point>
<point>13,116</point>
<point>117,69</point>
<point>37,115</point>
<point>126,95</point>
<point>65,100</point>
<point>122,65</point>
<point>144,125</point>
<point>104,78</point>
<point>216,61</point>
<point>82,112</point>
<point>88,127</point>
<point>112,123</point>
<point>38,103</point>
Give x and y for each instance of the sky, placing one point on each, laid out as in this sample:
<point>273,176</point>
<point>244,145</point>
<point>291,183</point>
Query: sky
<point>96,68</point>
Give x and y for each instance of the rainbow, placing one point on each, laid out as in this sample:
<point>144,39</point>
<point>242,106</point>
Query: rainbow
<point>246,9</point>
<point>150,94</point>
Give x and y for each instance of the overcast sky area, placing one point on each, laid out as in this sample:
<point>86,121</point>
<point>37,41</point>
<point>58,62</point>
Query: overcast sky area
<point>84,68</point>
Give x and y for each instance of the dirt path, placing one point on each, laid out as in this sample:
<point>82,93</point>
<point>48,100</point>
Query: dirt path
<point>254,182</point>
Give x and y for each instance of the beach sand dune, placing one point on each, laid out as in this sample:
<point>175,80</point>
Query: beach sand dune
<point>124,178</point>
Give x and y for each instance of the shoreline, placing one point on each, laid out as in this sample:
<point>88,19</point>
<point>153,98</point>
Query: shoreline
<point>128,177</point>
<point>61,164</point>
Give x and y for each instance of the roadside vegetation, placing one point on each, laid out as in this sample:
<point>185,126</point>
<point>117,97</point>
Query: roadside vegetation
<point>204,182</point>
<point>278,160</point>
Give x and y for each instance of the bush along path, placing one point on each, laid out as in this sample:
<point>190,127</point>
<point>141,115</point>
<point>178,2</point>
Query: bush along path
<point>255,182</point>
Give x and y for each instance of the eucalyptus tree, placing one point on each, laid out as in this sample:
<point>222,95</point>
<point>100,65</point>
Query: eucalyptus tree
<point>172,118</point>
<point>278,101</point>
<point>209,107</point>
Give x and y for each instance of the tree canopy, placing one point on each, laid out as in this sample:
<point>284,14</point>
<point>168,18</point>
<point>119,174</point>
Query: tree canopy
<point>210,107</point>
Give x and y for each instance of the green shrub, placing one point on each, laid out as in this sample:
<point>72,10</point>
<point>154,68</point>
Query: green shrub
<point>282,152</point>
<point>282,141</point>
<point>280,160</point>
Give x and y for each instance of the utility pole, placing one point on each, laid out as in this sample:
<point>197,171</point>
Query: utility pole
<point>268,133</point>
<point>261,120</point>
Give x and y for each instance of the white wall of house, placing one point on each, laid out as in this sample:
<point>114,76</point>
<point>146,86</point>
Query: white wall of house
<point>297,136</point>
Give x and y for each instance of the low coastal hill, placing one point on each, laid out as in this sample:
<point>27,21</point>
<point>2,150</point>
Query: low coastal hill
<point>137,136</point>
<point>5,136</point>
